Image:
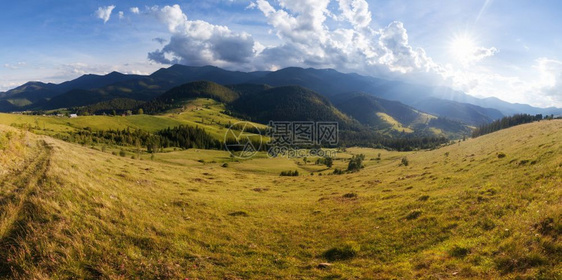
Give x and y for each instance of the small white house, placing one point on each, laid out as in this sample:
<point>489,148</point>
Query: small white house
<point>73,116</point>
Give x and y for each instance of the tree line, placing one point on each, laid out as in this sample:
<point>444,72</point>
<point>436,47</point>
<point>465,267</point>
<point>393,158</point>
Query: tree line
<point>182,136</point>
<point>506,122</point>
<point>372,139</point>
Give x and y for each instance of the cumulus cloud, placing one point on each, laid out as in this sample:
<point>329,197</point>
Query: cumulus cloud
<point>198,42</point>
<point>121,15</point>
<point>104,13</point>
<point>309,41</point>
<point>135,10</point>
<point>356,12</point>
<point>306,38</point>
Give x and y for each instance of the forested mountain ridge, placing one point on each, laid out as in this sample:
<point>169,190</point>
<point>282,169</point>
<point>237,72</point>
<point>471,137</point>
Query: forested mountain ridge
<point>90,89</point>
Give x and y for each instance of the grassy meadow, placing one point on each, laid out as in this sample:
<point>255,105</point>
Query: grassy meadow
<point>204,113</point>
<point>484,208</point>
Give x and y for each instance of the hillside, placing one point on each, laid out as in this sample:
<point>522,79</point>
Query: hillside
<point>485,208</point>
<point>178,96</point>
<point>395,117</point>
<point>288,103</point>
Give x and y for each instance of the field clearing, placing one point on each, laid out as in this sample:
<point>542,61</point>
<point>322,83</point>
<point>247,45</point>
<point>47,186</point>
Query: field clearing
<point>204,113</point>
<point>484,208</point>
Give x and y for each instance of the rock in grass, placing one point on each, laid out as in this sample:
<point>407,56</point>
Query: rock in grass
<point>324,265</point>
<point>239,214</point>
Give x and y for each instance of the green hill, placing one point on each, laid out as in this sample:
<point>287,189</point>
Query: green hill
<point>394,117</point>
<point>177,96</point>
<point>117,105</point>
<point>288,103</point>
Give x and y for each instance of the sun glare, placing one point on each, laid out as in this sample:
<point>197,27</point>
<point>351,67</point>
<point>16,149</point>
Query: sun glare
<point>462,48</point>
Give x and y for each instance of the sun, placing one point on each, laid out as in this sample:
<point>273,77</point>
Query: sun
<point>462,48</point>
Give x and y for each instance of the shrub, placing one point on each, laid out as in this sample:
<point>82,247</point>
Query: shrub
<point>289,173</point>
<point>239,213</point>
<point>350,195</point>
<point>122,153</point>
<point>423,198</point>
<point>487,224</point>
<point>356,163</point>
<point>405,161</point>
<point>501,155</point>
<point>413,215</point>
<point>345,252</point>
<point>459,252</point>
<point>338,171</point>
<point>224,165</point>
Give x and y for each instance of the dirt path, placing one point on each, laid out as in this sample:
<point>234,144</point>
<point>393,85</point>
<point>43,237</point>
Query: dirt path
<point>15,191</point>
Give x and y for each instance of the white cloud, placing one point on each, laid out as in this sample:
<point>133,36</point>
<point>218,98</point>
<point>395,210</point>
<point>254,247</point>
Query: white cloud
<point>135,10</point>
<point>356,12</point>
<point>308,40</point>
<point>481,53</point>
<point>200,43</point>
<point>121,15</point>
<point>550,80</point>
<point>104,13</point>
<point>15,66</point>
<point>541,87</point>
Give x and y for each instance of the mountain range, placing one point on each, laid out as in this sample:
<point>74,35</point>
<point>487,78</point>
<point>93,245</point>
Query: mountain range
<point>347,91</point>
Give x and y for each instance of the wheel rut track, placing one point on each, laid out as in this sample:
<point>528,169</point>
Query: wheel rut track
<point>16,209</point>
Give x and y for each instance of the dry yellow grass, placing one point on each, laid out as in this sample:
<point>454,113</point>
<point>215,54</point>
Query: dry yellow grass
<point>462,211</point>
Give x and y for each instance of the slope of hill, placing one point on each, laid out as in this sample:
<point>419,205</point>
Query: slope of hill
<point>487,208</point>
<point>288,103</point>
<point>178,96</point>
<point>331,83</point>
<point>117,105</point>
<point>467,113</point>
<point>36,93</point>
<point>364,108</point>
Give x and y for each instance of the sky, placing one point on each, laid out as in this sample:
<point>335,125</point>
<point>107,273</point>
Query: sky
<point>508,49</point>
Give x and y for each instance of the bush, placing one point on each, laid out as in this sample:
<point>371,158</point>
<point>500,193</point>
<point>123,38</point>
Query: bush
<point>289,173</point>
<point>356,163</point>
<point>414,215</point>
<point>350,195</point>
<point>405,161</point>
<point>459,252</point>
<point>345,252</point>
<point>224,165</point>
<point>239,214</point>
<point>122,153</point>
<point>338,171</point>
<point>501,155</point>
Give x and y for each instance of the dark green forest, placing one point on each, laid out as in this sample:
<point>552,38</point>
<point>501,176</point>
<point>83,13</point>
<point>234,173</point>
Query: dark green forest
<point>506,122</point>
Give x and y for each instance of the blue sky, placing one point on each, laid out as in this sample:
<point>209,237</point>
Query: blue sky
<point>503,48</point>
